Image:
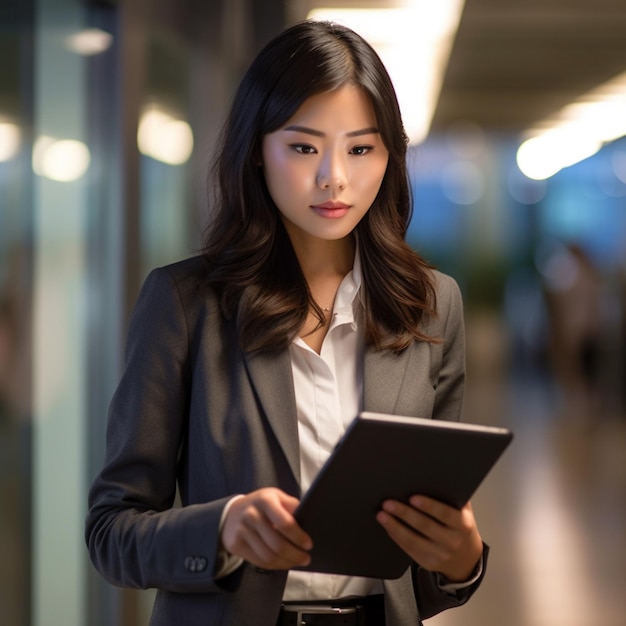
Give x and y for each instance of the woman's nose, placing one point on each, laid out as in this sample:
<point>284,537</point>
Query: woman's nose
<point>332,174</point>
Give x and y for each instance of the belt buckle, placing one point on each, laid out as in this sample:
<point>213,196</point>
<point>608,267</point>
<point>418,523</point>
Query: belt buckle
<point>316,609</point>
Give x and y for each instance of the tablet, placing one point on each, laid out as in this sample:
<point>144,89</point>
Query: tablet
<point>388,456</point>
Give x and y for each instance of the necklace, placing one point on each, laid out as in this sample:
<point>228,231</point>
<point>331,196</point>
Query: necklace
<point>324,309</point>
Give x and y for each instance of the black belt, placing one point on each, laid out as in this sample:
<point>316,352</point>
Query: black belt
<point>367,611</point>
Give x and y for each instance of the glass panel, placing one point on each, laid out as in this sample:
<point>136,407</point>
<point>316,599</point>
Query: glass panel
<point>61,159</point>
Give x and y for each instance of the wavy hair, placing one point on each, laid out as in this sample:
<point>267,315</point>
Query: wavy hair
<point>252,265</point>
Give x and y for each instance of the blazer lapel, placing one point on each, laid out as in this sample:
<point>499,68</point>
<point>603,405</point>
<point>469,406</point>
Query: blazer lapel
<point>272,380</point>
<point>394,383</point>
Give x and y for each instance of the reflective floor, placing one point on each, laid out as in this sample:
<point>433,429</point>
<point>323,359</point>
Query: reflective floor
<point>553,510</point>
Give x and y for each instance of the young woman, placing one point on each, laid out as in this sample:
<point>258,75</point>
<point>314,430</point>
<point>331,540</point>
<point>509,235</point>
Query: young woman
<point>245,364</point>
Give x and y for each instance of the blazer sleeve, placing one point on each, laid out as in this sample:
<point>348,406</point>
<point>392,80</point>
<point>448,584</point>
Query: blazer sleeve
<point>432,600</point>
<point>135,535</point>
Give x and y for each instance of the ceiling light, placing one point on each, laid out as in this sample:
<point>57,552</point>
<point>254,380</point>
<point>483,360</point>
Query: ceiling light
<point>89,41</point>
<point>576,132</point>
<point>546,154</point>
<point>414,43</point>
<point>164,138</point>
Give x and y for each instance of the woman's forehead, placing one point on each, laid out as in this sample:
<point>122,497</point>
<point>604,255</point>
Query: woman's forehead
<point>348,105</point>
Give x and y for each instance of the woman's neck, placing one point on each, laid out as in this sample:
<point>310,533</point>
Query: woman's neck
<point>321,259</point>
<point>324,264</point>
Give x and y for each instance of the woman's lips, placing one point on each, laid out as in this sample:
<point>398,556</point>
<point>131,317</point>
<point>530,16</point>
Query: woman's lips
<point>331,209</point>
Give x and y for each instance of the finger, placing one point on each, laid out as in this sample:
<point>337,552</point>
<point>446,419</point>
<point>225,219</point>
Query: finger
<point>280,515</point>
<point>257,541</point>
<point>279,544</point>
<point>260,528</point>
<point>443,513</point>
<point>420,548</point>
<point>418,522</point>
<point>262,553</point>
<point>462,520</point>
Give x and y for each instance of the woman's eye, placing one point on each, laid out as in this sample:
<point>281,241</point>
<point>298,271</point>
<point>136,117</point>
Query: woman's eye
<point>360,150</point>
<point>303,148</point>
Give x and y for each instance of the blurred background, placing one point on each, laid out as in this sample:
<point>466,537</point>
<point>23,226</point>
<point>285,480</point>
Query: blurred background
<point>517,114</point>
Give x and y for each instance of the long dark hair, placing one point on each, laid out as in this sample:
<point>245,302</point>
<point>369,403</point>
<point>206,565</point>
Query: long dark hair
<point>252,265</point>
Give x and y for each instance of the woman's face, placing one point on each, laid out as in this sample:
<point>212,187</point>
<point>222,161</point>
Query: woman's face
<point>325,165</point>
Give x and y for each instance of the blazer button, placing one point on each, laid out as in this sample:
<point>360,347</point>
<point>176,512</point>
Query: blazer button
<point>195,564</point>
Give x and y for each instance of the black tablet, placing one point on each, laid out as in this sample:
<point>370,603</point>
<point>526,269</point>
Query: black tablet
<point>388,456</point>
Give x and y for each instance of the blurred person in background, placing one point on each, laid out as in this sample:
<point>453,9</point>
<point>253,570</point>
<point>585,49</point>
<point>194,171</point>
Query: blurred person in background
<point>246,364</point>
<point>572,287</point>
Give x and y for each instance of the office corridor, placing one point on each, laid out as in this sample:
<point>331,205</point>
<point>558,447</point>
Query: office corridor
<point>553,509</point>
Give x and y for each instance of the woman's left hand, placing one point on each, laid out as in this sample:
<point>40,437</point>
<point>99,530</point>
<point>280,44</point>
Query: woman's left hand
<point>436,536</point>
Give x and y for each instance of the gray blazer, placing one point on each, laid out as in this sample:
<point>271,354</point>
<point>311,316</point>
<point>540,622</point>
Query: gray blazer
<point>193,409</point>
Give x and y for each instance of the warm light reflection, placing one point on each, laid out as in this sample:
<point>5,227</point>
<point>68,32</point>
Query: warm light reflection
<point>550,549</point>
<point>62,160</point>
<point>164,138</point>
<point>89,41</point>
<point>576,132</point>
<point>414,43</point>
<point>9,141</point>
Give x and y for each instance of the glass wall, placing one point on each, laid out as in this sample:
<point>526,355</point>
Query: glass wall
<point>108,110</point>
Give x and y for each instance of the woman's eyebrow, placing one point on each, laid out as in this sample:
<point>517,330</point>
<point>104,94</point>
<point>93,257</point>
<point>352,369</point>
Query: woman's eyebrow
<point>371,130</point>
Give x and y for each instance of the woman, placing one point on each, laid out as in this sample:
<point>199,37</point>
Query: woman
<point>245,364</point>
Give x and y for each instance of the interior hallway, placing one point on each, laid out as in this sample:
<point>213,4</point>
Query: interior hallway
<point>554,507</point>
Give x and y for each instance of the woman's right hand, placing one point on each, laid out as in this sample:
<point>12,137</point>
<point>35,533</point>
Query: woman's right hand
<point>260,528</point>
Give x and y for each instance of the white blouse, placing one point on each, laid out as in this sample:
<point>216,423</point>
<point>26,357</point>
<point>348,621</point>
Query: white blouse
<point>329,394</point>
